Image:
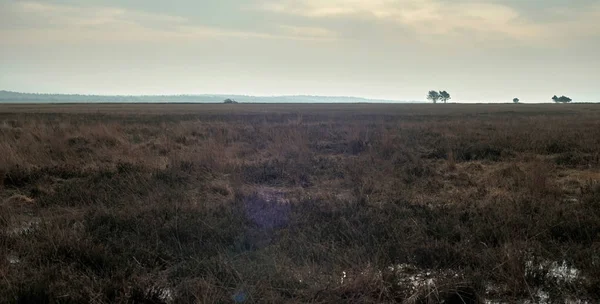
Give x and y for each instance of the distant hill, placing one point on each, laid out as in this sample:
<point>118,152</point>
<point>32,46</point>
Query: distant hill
<point>16,97</point>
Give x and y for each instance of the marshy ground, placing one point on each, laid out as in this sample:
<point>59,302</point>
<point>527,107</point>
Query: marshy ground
<point>184,203</point>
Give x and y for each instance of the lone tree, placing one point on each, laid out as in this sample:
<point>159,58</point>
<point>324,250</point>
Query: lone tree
<point>444,96</point>
<point>563,99</point>
<point>516,100</point>
<point>433,96</point>
<point>229,100</point>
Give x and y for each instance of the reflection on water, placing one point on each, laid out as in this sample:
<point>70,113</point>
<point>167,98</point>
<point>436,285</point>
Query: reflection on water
<point>556,273</point>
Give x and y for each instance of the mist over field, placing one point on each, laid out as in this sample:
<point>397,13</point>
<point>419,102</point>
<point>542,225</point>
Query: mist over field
<point>16,97</point>
<point>12,97</point>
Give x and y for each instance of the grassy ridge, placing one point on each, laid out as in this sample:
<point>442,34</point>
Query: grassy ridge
<point>298,203</point>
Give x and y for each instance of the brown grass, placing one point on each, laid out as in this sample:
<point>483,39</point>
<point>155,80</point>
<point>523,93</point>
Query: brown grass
<point>277,203</point>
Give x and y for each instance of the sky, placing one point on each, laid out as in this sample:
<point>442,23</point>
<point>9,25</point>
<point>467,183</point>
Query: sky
<point>477,50</point>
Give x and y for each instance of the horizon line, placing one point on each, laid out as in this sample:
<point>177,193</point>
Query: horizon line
<point>207,94</point>
<point>221,95</point>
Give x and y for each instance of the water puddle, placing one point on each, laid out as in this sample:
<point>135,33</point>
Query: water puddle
<point>344,277</point>
<point>408,275</point>
<point>25,227</point>
<point>554,272</point>
<point>13,259</point>
<point>559,272</point>
<point>420,283</point>
<point>166,294</point>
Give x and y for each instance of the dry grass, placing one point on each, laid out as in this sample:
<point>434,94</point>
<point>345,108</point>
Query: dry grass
<point>298,203</point>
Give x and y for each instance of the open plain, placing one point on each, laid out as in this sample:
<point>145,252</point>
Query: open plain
<point>299,203</point>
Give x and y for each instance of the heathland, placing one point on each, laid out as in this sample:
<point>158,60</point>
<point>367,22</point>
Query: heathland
<point>299,203</point>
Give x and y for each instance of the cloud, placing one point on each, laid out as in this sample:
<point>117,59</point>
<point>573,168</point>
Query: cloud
<point>92,16</point>
<point>311,32</point>
<point>440,22</point>
<point>575,23</point>
<point>326,8</point>
<point>483,20</point>
<point>27,22</point>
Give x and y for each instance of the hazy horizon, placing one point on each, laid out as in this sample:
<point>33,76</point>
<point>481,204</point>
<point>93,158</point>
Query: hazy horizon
<point>181,94</point>
<point>477,50</point>
<point>43,97</point>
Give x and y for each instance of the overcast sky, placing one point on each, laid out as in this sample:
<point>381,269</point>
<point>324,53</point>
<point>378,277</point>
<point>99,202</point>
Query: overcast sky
<point>478,50</point>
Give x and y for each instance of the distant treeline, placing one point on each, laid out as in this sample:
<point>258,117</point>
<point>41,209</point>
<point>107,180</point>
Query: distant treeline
<point>8,96</point>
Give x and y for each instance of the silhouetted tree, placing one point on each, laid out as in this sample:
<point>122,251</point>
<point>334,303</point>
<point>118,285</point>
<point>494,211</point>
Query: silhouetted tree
<point>563,99</point>
<point>229,100</point>
<point>433,96</point>
<point>444,96</point>
<point>516,100</point>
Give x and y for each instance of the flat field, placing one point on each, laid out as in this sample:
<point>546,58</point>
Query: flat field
<point>299,203</point>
